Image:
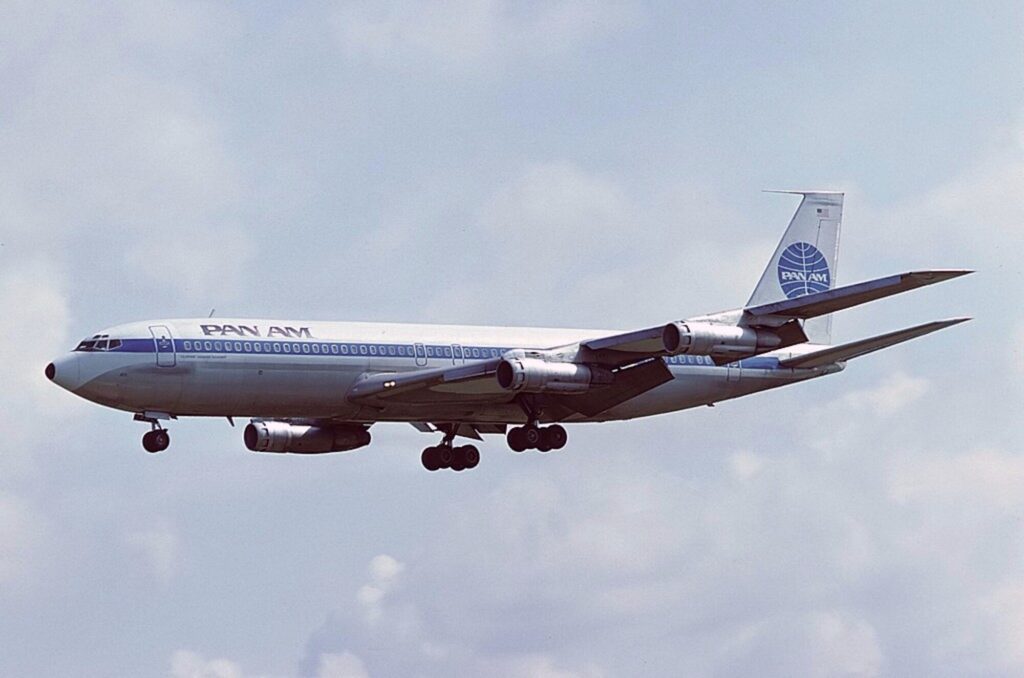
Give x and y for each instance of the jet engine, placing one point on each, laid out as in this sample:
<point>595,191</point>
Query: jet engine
<point>717,340</point>
<point>280,436</point>
<point>535,375</point>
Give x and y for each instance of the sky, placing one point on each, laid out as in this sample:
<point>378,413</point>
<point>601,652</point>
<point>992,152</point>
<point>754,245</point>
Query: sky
<point>565,163</point>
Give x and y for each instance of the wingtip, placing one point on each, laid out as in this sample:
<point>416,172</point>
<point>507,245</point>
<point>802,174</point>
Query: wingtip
<point>792,191</point>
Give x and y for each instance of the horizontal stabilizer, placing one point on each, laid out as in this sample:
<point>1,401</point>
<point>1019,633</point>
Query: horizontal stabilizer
<point>855,349</point>
<point>822,303</point>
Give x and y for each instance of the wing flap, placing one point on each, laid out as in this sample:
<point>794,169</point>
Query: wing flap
<point>856,349</point>
<point>823,303</point>
<point>629,383</point>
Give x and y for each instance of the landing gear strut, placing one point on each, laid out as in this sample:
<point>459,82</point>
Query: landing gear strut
<point>446,455</point>
<point>533,436</point>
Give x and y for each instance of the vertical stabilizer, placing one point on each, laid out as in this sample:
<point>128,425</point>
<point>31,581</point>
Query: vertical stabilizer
<point>806,258</point>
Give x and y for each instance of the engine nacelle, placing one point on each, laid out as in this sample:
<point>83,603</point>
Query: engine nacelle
<point>280,436</point>
<point>718,340</point>
<point>535,375</point>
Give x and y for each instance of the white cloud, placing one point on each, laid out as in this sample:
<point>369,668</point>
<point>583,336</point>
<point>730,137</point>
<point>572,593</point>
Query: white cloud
<point>344,665</point>
<point>189,664</point>
<point>981,475</point>
<point>384,572</point>
<point>745,465</point>
<point>533,666</point>
<point>896,392</point>
<point>468,33</point>
<point>843,646</point>
<point>21,530</point>
<point>104,151</point>
<point>33,304</point>
<point>161,550</point>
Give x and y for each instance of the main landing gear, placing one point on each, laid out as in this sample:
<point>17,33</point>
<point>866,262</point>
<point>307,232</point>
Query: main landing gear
<point>446,455</point>
<point>533,437</point>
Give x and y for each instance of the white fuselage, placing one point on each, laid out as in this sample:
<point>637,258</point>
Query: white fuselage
<point>304,369</point>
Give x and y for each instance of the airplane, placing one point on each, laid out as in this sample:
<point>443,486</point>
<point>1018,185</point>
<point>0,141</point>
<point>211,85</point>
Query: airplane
<point>317,387</point>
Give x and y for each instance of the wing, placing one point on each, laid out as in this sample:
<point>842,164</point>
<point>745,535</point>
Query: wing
<point>823,303</point>
<point>475,385</point>
<point>855,349</point>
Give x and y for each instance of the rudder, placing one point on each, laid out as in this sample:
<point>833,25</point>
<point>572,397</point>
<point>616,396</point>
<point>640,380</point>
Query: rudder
<point>805,260</point>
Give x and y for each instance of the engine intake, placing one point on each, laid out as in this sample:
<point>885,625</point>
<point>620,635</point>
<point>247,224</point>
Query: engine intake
<point>535,375</point>
<point>280,436</point>
<point>720,340</point>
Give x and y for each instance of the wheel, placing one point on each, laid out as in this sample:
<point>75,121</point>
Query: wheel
<point>459,459</point>
<point>161,439</point>
<point>532,436</point>
<point>148,443</point>
<point>444,456</point>
<point>516,439</point>
<point>470,456</point>
<point>556,437</point>
<point>430,459</point>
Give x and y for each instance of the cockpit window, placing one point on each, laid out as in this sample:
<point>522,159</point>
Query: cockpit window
<point>98,342</point>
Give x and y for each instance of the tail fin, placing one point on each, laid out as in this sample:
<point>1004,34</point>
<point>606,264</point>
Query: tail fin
<point>805,260</point>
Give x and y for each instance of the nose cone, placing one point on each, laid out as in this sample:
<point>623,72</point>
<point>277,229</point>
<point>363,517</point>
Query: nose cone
<point>65,372</point>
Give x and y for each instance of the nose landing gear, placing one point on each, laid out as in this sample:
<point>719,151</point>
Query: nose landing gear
<point>156,440</point>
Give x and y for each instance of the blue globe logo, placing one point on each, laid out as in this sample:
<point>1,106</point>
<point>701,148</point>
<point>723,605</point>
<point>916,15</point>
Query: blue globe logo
<point>803,270</point>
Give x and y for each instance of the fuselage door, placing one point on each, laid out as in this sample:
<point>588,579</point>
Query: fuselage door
<point>165,356</point>
<point>457,356</point>
<point>421,355</point>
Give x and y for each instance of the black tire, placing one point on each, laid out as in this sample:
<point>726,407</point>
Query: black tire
<point>516,440</point>
<point>430,459</point>
<point>161,439</point>
<point>532,436</point>
<point>556,436</point>
<point>148,443</point>
<point>458,459</point>
<point>444,456</point>
<point>470,456</point>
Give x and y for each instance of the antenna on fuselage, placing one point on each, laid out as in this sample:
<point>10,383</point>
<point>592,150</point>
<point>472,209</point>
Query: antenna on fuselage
<point>212,311</point>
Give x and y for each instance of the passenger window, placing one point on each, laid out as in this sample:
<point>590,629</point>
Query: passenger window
<point>238,346</point>
<point>362,349</point>
<point>344,349</point>
<point>218,346</point>
<point>373,350</point>
<point>304,348</point>
<point>391,350</point>
<point>316,348</point>
<point>334,349</point>
<point>247,346</point>
<point>187,345</point>
<point>256,347</point>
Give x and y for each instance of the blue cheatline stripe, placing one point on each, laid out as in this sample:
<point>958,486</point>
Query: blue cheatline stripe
<point>363,350</point>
